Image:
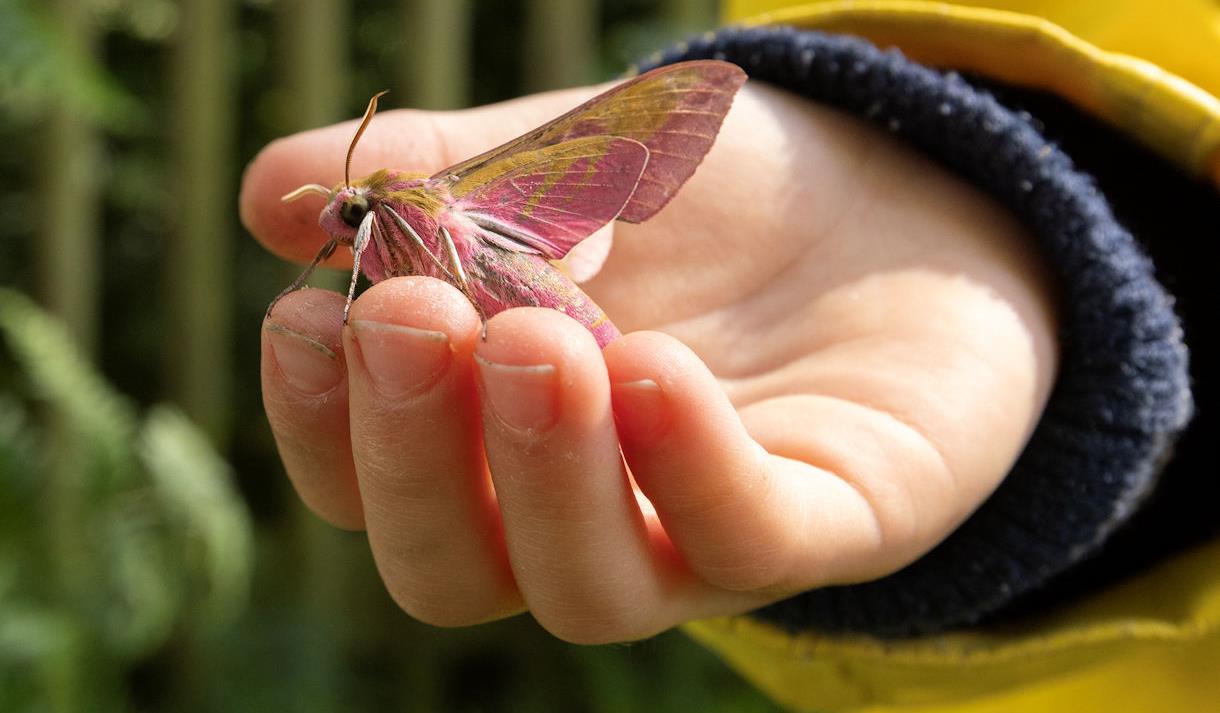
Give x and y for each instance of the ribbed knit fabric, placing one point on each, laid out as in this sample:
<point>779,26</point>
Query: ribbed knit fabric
<point>1122,395</point>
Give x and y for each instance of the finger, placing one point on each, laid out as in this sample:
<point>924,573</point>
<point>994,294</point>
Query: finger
<point>430,512</point>
<point>304,381</point>
<point>744,519</point>
<point>590,566</point>
<point>409,140</point>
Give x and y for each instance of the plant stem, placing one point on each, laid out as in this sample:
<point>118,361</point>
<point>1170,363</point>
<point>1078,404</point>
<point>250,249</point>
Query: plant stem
<point>200,284</point>
<point>560,43</point>
<point>68,243</point>
<point>434,62</point>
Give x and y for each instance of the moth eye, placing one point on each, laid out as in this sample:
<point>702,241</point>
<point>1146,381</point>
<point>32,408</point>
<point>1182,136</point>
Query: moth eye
<point>353,210</point>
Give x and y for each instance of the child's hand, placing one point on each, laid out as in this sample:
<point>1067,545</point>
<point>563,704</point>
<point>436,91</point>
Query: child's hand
<point>849,349</point>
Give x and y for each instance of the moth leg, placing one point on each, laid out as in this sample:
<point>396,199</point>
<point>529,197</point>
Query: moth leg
<point>451,249</point>
<point>462,282</point>
<point>458,280</point>
<point>397,262</point>
<point>361,242</point>
<point>327,250</point>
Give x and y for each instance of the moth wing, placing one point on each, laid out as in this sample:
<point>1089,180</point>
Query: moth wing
<point>674,111</point>
<point>547,200</point>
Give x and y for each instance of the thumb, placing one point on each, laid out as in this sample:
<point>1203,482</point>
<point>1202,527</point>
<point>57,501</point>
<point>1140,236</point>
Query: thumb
<point>408,140</point>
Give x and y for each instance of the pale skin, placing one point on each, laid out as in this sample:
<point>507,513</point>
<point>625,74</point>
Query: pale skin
<point>834,351</point>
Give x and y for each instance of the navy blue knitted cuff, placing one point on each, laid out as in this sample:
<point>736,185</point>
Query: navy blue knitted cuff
<point>1122,395</point>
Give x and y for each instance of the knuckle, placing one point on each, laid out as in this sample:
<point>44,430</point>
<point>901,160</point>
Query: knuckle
<point>440,609</point>
<point>596,623</point>
<point>735,547</point>
<point>744,565</point>
<point>441,596</point>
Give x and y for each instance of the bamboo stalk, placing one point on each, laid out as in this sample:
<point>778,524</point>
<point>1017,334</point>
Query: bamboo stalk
<point>434,61</point>
<point>68,249</point>
<point>314,37</point>
<point>69,243</point>
<point>198,271</point>
<point>561,46</point>
<point>199,288</point>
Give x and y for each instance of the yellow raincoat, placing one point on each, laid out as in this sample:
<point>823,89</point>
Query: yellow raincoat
<point>1152,643</point>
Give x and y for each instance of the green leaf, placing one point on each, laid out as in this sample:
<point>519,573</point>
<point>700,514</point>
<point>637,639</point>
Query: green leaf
<point>194,484</point>
<point>126,532</point>
<point>60,375</point>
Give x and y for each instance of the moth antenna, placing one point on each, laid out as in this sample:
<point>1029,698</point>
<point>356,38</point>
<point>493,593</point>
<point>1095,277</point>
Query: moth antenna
<point>364,123</point>
<point>306,190</point>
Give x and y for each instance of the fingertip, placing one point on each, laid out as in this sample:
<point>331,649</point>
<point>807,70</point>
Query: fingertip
<point>309,316</point>
<point>539,368</point>
<point>534,335</point>
<point>305,397</point>
<point>405,335</point>
<point>289,230</point>
<point>653,355</point>
<point>421,303</point>
<point>398,140</point>
<point>659,385</point>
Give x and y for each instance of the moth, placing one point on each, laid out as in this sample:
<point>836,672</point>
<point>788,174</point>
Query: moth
<point>490,225</point>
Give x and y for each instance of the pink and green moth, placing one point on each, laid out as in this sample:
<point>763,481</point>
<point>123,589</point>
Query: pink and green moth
<point>490,225</point>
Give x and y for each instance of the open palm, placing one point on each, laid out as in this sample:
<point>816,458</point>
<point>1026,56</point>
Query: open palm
<point>847,349</point>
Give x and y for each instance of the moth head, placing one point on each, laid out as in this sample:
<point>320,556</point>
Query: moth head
<point>346,206</point>
<point>345,209</point>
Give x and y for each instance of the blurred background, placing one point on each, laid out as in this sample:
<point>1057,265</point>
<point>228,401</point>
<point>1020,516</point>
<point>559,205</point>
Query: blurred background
<point>152,554</point>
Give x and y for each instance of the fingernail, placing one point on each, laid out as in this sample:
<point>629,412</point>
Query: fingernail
<point>400,360</point>
<point>522,397</point>
<point>639,408</point>
<point>309,366</point>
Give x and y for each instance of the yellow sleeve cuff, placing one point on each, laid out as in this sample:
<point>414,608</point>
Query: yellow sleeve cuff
<point>1177,117</point>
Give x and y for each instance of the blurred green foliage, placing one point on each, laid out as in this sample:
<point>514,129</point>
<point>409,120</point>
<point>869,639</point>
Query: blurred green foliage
<point>40,66</point>
<point>144,566</point>
<point>117,532</point>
